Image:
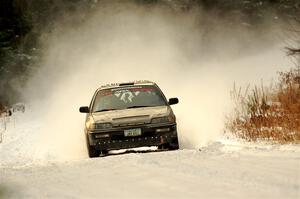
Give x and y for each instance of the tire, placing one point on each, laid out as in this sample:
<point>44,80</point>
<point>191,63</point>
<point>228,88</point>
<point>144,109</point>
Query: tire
<point>174,145</point>
<point>92,152</point>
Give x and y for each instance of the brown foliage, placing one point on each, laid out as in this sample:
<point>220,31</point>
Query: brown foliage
<point>273,115</point>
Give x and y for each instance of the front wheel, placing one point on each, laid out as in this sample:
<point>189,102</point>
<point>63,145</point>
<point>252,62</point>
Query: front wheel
<point>169,146</point>
<point>174,145</point>
<point>93,152</point>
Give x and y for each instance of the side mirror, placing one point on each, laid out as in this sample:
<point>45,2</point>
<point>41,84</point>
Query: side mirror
<point>173,101</point>
<point>84,109</point>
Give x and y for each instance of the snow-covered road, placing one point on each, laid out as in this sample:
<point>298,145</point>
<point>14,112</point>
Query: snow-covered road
<point>226,168</point>
<point>213,172</point>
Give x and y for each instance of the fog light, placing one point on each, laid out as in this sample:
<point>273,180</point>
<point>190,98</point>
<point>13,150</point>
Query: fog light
<point>162,130</point>
<point>101,135</point>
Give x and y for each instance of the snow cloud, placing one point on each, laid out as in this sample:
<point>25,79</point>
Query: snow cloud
<point>190,55</point>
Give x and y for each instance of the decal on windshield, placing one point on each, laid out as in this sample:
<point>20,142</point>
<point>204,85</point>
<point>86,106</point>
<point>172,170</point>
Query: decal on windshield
<point>127,94</point>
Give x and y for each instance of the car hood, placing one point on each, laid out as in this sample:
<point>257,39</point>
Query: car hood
<point>134,116</point>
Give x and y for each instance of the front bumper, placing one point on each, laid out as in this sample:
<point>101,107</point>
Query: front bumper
<point>150,136</point>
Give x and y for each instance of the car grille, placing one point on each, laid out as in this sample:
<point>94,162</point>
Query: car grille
<point>119,135</point>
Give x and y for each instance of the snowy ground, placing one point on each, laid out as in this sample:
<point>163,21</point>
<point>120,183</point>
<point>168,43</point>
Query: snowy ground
<point>224,169</point>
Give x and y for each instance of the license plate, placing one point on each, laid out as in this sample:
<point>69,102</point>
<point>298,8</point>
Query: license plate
<point>132,132</point>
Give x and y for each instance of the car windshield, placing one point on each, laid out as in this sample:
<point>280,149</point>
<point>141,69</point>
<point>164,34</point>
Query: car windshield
<point>128,97</point>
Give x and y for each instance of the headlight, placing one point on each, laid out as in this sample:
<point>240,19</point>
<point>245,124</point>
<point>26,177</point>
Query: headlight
<point>103,125</point>
<point>98,126</point>
<point>169,119</point>
<point>160,120</point>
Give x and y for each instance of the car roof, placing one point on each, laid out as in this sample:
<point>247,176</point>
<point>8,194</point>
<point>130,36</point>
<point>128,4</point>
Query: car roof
<point>123,84</point>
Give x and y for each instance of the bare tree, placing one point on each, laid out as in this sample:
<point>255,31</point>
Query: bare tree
<point>293,51</point>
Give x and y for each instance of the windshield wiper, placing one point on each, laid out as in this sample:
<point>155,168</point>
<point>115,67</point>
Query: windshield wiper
<point>102,110</point>
<point>137,106</point>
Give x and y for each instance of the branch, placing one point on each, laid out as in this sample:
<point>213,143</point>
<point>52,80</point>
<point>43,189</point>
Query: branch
<point>293,51</point>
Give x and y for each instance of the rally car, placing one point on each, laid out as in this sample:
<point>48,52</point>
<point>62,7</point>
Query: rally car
<point>129,115</point>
